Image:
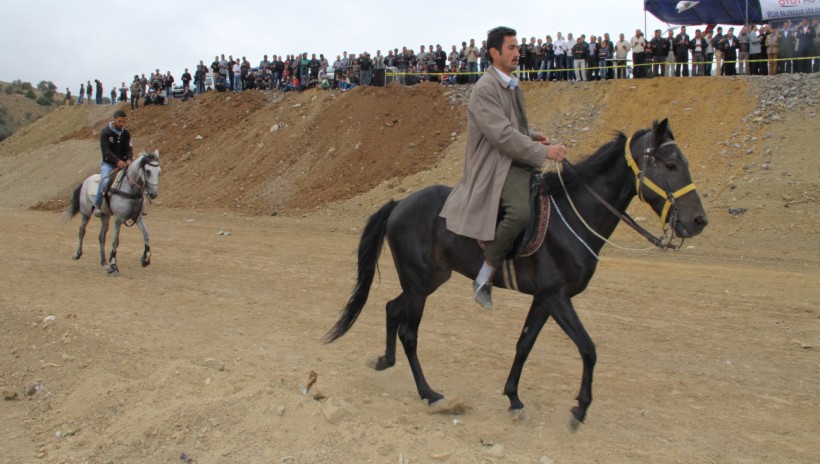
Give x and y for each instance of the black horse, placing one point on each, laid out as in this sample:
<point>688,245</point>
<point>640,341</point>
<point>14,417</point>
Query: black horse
<point>426,253</point>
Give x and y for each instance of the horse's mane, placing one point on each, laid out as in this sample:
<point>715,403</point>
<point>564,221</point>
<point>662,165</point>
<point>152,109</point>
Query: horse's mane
<point>592,165</point>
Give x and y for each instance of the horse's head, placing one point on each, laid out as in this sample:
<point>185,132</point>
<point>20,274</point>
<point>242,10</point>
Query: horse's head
<point>663,179</point>
<point>149,163</point>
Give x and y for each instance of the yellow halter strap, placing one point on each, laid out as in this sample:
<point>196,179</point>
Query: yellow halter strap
<point>670,197</point>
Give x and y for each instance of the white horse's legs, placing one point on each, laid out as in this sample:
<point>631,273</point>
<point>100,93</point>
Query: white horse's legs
<point>113,270</point>
<point>83,223</point>
<point>146,254</point>
<point>103,231</point>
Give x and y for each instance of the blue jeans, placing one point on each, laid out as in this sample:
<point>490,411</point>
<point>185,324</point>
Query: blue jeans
<point>604,71</point>
<point>546,65</point>
<point>105,181</point>
<point>472,67</point>
<point>560,63</point>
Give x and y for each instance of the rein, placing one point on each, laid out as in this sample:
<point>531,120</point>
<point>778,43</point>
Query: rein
<point>665,241</point>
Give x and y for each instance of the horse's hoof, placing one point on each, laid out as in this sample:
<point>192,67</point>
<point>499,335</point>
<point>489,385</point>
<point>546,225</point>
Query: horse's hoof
<point>113,271</point>
<point>145,263</point>
<point>75,256</point>
<point>574,424</point>
<point>442,405</point>
<point>377,363</point>
<point>518,415</point>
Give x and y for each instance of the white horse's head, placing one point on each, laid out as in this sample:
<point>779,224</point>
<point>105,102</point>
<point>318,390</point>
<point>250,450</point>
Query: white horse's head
<point>150,165</point>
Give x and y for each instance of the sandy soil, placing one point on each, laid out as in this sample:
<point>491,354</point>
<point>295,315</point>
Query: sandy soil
<point>705,355</point>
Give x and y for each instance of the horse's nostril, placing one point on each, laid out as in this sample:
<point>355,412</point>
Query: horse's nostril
<point>701,221</point>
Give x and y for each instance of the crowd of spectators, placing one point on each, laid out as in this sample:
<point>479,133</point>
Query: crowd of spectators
<point>787,47</point>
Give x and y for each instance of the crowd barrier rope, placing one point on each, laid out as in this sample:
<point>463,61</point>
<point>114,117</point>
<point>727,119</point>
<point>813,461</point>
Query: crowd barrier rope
<point>613,67</point>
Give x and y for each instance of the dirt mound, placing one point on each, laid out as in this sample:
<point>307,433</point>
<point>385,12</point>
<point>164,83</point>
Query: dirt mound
<point>345,153</point>
<point>259,153</point>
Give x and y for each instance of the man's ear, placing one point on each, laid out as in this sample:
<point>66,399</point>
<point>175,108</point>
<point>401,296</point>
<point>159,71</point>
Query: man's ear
<point>494,53</point>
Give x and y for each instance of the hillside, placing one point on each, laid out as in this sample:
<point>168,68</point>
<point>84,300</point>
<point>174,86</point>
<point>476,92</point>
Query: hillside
<point>347,153</point>
<point>18,111</point>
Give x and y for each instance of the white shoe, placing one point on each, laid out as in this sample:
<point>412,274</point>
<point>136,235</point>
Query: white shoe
<point>482,294</point>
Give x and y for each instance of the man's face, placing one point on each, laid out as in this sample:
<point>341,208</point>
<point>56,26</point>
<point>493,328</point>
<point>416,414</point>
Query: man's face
<point>507,59</point>
<point>119,122</point>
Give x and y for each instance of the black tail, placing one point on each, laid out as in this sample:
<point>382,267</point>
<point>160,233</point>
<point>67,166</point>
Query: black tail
<point>370,247</point>
<point>74,208</point>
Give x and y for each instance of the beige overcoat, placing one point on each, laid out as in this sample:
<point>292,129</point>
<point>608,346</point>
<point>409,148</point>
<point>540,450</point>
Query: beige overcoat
<point>493,142</point>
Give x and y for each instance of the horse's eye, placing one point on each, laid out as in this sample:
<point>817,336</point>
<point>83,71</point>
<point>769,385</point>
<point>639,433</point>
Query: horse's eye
<point>671,166</point>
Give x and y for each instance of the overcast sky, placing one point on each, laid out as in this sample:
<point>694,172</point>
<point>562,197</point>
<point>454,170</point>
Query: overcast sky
<point>73,42</point>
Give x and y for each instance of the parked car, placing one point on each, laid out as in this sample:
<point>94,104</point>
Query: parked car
<point>177,91</point>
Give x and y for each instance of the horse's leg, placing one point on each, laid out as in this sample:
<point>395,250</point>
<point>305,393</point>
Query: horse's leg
<point>146,254</point>
<point>83,224</point>
<point>566,317</point>
<point>103,232</point>
<point>395,308</point>
<point>408,331</point>
<point>536,319</point>
<point>113,270</point>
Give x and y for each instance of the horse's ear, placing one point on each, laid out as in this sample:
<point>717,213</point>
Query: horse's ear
<point>156,152</point>
<point>660,130</point>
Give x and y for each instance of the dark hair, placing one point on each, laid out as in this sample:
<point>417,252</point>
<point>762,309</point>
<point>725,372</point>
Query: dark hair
<point>495,38</point>
<point>119,114</point>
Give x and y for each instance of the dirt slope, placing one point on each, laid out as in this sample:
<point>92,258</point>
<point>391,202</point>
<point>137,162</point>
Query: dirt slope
<point>706,355</point>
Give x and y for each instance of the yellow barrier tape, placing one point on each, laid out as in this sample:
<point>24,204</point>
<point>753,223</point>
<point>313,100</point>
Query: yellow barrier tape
<point>586,68</point>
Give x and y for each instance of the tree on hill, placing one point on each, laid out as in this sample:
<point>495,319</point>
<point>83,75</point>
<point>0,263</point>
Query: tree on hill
<point>44,86</point>
<point>5,129</point>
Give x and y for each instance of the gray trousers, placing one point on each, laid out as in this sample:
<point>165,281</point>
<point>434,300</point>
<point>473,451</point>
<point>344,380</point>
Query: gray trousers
<point>515,203</point>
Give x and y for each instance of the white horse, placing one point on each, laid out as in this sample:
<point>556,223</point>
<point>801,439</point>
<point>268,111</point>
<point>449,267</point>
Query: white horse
<point>125,201</point>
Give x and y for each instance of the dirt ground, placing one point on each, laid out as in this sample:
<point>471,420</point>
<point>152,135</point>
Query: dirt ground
<point>710,354</point>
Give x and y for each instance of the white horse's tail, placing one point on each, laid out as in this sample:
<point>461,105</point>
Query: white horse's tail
<point>74,207</point>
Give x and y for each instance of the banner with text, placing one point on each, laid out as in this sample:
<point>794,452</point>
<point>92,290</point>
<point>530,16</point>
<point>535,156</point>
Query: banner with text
<point>773,10</point>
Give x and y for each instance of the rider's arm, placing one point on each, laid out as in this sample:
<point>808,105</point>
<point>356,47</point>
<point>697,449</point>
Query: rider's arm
<point>108,156</point>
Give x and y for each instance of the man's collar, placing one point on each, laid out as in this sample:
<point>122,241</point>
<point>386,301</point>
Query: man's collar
<point>114,128</point>
<point>509,80</point>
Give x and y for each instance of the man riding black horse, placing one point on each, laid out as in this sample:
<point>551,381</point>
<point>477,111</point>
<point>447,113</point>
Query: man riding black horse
<point>502,152</point>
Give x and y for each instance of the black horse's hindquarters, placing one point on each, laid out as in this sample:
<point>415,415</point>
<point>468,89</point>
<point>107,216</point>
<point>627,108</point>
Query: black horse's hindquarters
<point>425,254</point>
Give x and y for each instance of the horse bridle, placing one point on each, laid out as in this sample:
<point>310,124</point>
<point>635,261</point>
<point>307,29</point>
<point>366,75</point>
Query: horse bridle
<point>642,180</point>
<point>665,241</point>
<point>141,186</point>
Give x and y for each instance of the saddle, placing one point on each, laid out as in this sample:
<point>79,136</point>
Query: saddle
<point>531,238</point>
<point>117,174</point>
